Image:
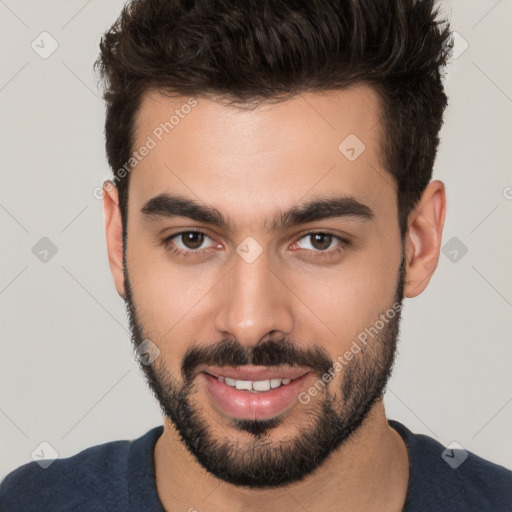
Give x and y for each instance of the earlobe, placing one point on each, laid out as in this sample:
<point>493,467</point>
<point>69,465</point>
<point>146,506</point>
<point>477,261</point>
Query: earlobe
<point>423,242</point>
<point>114,234</point>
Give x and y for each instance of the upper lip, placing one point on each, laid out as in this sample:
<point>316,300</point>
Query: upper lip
<point>255,373</point>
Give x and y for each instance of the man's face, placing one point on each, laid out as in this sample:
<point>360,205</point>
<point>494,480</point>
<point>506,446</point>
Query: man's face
<point>263,290</point>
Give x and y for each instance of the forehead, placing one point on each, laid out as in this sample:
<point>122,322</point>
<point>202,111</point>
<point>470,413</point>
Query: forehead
<point>261,157</point>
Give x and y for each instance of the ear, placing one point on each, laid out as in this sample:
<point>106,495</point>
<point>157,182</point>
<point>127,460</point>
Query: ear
<point>114,233</point>
<point>423,239</point>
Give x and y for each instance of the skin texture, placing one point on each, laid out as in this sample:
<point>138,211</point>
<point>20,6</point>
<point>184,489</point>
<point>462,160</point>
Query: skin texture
<point>249,164</point>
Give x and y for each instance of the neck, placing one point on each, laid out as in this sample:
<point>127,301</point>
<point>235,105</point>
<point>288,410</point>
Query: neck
<point>368,472</point>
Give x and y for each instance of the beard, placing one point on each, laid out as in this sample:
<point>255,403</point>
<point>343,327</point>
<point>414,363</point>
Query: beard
<point>331,418</point>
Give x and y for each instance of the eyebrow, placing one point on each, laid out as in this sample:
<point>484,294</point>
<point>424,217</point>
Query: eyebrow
<point>169,205</point>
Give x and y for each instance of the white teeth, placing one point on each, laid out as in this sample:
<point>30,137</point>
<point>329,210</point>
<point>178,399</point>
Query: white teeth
<point>243,384</point>
<point>255,385</point>
<point>275,383</point>
<point>261,385</point>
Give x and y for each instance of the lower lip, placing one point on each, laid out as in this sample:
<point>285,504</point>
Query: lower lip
<point>254,406</point>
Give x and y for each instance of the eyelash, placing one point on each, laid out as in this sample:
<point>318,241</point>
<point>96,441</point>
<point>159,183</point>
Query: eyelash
<point>167,244</point>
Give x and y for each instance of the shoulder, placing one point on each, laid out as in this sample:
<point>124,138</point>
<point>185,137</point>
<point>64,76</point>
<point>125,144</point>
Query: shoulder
<point>452,478</point>
<point>65,482</point>
<point>94,480</point>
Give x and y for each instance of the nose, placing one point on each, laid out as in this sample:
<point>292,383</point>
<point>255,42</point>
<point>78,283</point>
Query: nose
<point>253,303</point>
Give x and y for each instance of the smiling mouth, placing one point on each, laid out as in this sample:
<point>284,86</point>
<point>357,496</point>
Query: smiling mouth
<point>253,386</point>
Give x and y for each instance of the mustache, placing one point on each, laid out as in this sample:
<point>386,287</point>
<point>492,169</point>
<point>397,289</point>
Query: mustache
<point>271,353</point>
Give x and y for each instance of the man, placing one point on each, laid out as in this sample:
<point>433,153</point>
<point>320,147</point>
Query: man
<point>270,208</point>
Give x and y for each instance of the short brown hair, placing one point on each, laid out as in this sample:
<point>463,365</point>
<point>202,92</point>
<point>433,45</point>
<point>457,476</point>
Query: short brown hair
<point>266,49</point>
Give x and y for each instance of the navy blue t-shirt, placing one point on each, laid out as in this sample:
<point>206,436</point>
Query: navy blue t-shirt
<point>119,477</point>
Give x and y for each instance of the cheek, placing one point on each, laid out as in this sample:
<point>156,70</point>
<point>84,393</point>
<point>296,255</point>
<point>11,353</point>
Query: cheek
<point>170,297</point>
<point>344,300</point>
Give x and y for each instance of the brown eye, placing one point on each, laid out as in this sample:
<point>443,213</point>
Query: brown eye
<point>320,241</point>
<point>322,244</point>
<point>192,239</point>
<point>189,243</point>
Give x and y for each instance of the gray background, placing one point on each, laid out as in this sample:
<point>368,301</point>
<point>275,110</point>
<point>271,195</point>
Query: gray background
<point>67,373</point>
